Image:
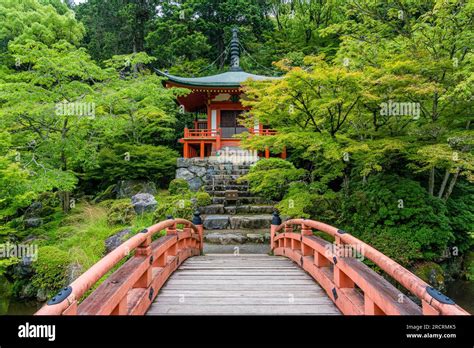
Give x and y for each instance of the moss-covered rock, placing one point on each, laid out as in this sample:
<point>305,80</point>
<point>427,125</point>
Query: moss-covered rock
<point>431,273</point>
<point>178,186</point>
<point>50,270</point>
<point>203,199</point>
<point>121,213</point>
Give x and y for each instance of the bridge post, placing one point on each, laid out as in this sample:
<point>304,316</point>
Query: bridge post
<point>143,250</point>
<point>197,221</point>
<point>305,231</point>
<point>276,221</point>
<point>370,308</point>
<point>287,242</point>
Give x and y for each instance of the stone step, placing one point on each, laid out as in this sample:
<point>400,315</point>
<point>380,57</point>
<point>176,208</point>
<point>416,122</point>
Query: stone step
<point>250,209</point>
<point>225,237</point>
<point>222,193</point>
<point>223,182</point>
<point>226,177</point>
<point>236,222</point>
<point>236,249</point>
<point>241,187</point>
<point>212,209</point>
<point>240,201</point>
<point>238,172</point>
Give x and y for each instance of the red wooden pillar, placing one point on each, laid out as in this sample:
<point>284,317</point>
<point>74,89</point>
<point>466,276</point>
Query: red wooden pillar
<point>202,150</point>
<point>218,139</point>
<point>283,153</point>
<point>267,152</point>
<point>186,150</point>
<point>305,249</point>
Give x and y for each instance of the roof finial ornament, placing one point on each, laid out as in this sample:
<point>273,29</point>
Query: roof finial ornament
<point>235,51</point>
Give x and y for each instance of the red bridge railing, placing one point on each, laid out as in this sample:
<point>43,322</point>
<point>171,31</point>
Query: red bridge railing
<point>131,289</point>
<point>354,287</point>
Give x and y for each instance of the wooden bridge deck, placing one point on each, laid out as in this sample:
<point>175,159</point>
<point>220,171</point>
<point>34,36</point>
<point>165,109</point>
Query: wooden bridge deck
<point>252,284</point>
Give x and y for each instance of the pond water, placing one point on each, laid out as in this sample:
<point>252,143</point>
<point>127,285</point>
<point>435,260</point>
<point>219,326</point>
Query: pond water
<point>462,292</point>
<point>23,308</point>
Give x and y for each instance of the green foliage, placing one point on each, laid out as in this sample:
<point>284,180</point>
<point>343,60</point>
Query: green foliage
<point>121,213</point>
<point>203,199</point>
<point>178,186</point>
<point>270,178</point>
<point>50,269</point>
<point>398,217</point>
<point>431,273</point>
<point>129,162</point>
<point>179,206</point>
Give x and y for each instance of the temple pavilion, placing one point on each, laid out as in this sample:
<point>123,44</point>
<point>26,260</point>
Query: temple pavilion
<point>217,101</point>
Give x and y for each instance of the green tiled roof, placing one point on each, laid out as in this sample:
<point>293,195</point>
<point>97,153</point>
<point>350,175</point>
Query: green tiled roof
<point>227,79</point>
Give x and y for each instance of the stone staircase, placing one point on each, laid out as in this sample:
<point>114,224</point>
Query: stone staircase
<point>242,225</point>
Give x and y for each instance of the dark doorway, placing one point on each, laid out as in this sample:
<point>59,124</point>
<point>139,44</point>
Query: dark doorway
<point>230,123</point>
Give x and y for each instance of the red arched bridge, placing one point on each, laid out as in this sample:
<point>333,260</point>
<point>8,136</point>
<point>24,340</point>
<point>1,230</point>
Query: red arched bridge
<point>324,277</point>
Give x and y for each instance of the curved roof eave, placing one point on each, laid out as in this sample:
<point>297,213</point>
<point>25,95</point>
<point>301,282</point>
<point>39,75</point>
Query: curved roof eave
<point>230,79</point>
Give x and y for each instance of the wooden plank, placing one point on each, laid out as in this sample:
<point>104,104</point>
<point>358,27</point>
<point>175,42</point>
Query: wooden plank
<point>245,310</point>
<point>243,293</point>
<point>239,281</point>
<point>211,301</point>
<point>241,285</point>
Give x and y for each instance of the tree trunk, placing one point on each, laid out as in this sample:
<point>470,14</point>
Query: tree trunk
<point>451,184</point>
<point>431,181</point>
<point>443,184</point>
<point>65,201</point>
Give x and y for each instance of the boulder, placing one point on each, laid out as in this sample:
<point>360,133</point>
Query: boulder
<point>198,171</point>
<point>184,173</point>
<point>33,222</point>
<point>195,184</point>
<point>115,240</point>
<point>144,202</point>
<point>129,188</point>
<point>216,222</point>
<point>34,210</point>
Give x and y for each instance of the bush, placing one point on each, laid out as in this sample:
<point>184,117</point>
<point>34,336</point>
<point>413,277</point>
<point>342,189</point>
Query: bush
<point>147,162</point>
<point>175,206</point>
<point>270,178</point>
<point>121,213</point>
<point>398,217</point>
<point>178,186</point>
<point>50,269</point>
<point>203,199</point>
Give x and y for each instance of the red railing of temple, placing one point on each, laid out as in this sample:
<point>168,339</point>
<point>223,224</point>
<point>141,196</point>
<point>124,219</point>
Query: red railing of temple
<point>354,287</point>
<point>201,133</point>
<point>131,289</point>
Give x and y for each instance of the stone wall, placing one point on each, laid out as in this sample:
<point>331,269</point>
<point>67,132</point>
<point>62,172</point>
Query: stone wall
<point>193,170</point>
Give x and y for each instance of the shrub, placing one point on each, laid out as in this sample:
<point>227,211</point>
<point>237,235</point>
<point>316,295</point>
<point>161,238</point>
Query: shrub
<point>178,186</point>
<point>121,213</point>
<point>398,217</point>
<point>152,163</point>
<point>270,178</point>
<point>50,269</point>
<point>176,206</point>
<point>203,199</point>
